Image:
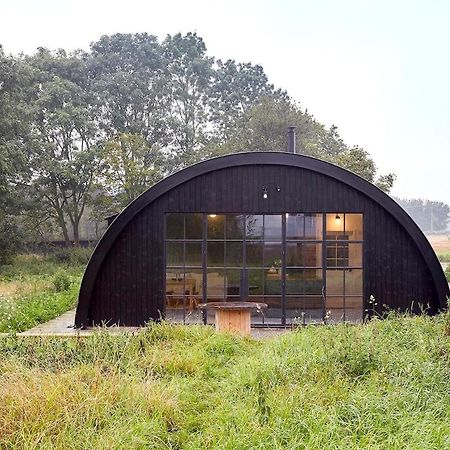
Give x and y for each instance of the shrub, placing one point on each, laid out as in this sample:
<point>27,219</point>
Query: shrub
<point>78,256</point>
<point>61,281</point>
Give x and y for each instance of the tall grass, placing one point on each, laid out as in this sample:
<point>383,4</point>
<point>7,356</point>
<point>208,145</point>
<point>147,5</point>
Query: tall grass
<point>37,288</point>
<point>375,386</point>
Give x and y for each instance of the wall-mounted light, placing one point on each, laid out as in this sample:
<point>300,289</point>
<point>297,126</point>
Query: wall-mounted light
<point>338,218</point>
<point>265,195</point>
<point>278,188</point>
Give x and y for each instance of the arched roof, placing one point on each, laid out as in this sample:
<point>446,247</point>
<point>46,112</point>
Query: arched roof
<point>246,159</point>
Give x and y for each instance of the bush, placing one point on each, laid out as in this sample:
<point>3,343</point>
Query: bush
<point>61,281</point>
<point>77,256</point>
<point>447,273</point>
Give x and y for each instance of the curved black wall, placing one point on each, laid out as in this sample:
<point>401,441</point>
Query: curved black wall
<point>124,282</point>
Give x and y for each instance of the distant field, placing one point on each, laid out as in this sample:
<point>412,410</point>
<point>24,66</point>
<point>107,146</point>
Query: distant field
<point>440,242</point>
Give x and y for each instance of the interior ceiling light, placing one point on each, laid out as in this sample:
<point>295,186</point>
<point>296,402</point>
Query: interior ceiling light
<point>265,193</point>
<point>338,217</point>
<point>213,215</point>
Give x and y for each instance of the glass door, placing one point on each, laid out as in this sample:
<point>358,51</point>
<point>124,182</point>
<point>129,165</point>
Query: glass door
<point>306,267</point>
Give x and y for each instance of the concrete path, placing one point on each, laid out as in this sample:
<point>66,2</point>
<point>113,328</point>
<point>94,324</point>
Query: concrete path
<point>63,326</point>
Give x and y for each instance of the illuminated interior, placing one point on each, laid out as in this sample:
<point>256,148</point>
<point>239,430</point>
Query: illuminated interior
<point>306,267</point>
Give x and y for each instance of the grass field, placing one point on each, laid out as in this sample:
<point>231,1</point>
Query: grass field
<point>37,288</point>
<point>441,245</point>
<point>384,385</point>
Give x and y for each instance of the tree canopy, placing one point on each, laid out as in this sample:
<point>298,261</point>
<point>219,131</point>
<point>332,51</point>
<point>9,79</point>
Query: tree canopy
<point>95,129</point>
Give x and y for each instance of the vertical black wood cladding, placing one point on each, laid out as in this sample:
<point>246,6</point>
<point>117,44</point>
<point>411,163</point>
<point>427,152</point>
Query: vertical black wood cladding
<point>129,287</point>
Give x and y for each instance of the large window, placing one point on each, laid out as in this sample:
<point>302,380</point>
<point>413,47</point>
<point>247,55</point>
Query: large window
<point>344,266</point>
<point>304,266</point>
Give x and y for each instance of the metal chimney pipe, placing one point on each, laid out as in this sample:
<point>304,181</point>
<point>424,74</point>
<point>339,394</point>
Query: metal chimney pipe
<point>291,139</point>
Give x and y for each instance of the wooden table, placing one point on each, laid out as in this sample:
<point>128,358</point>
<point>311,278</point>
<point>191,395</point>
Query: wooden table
<point>233,316</point>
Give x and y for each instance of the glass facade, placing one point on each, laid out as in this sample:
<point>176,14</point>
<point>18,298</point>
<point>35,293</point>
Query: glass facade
<point>306,267</point>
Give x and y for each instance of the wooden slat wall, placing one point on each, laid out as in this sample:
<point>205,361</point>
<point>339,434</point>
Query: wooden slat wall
<point>130,285</point>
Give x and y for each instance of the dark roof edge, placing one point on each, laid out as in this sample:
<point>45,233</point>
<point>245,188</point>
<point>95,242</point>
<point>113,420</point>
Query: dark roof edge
<point>255,158</point>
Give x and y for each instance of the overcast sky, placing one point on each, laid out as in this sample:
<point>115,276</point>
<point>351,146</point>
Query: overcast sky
<point>379,70</point>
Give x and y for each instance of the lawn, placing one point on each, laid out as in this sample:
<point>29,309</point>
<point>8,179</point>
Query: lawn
<point>380,385</point>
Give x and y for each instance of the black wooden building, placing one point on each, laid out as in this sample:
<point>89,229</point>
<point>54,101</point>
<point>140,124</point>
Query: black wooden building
<point>310,239</point>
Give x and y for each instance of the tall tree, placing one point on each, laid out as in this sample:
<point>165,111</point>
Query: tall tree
<point>14,131</point>
<point>129,76</point>
<point>62,157</point>
<point>263,128</point>
<point>190,74</point>
<point>235,88</point>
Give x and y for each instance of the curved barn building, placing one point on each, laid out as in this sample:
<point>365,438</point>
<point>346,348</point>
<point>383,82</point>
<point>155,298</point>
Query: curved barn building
<point>308,238</point>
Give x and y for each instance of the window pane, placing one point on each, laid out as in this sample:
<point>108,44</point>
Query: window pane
<point>354,226</point>
<point>194,282</point>
<point>175,253</point>
<point>273,312</point>
<point>335,223</point>
<point>304,226</point>
<point>335,302</point>
<point>175,282</point>
<point>175,226</point>
<point>354,282</point>
<point>304,281</point>
<point>233,282</point>
<point>194,254</point>
<point>335,282</point>
<point>303,254</point>
<point>304,308</point>
<point>216,226</point>
<point>255,281</point>
<point>337,254</point>
<point>215,284</point>
<point>254,254</point>
<point>272,283</point>
<point>273,252</point>
<point>194,226</point>
<point>272,227</point>
<point>215,254</point>
<point>233,254</point>
<point>354,309</point>
<point>254,227</point>
<point>235,226</point>
<point>355,255</point>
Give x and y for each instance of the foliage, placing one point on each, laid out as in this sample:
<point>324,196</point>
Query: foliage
<point>262,127</point>
<point>61,281</point>
<point>447,273</point>
<point>26,311</point>
<point>92,130</point>
<point>130,167</point>
<point>32,266</point>
<point>379,385</point>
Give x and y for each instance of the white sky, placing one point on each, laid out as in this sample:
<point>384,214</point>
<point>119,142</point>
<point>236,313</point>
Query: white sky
<point>379,70</point>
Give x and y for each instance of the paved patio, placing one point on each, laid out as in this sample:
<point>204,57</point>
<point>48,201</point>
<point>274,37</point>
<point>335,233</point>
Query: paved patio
<point>64,326</point>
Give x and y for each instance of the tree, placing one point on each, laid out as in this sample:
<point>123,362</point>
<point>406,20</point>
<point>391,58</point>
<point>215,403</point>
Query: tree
<point>14,128</point>
<point>263,127</point>
<point>190,74</point>
<point>129,76</point>
<point>62,157</point>
<point>429,215</point>
<point>130,166</point>
<point>235,88</point>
